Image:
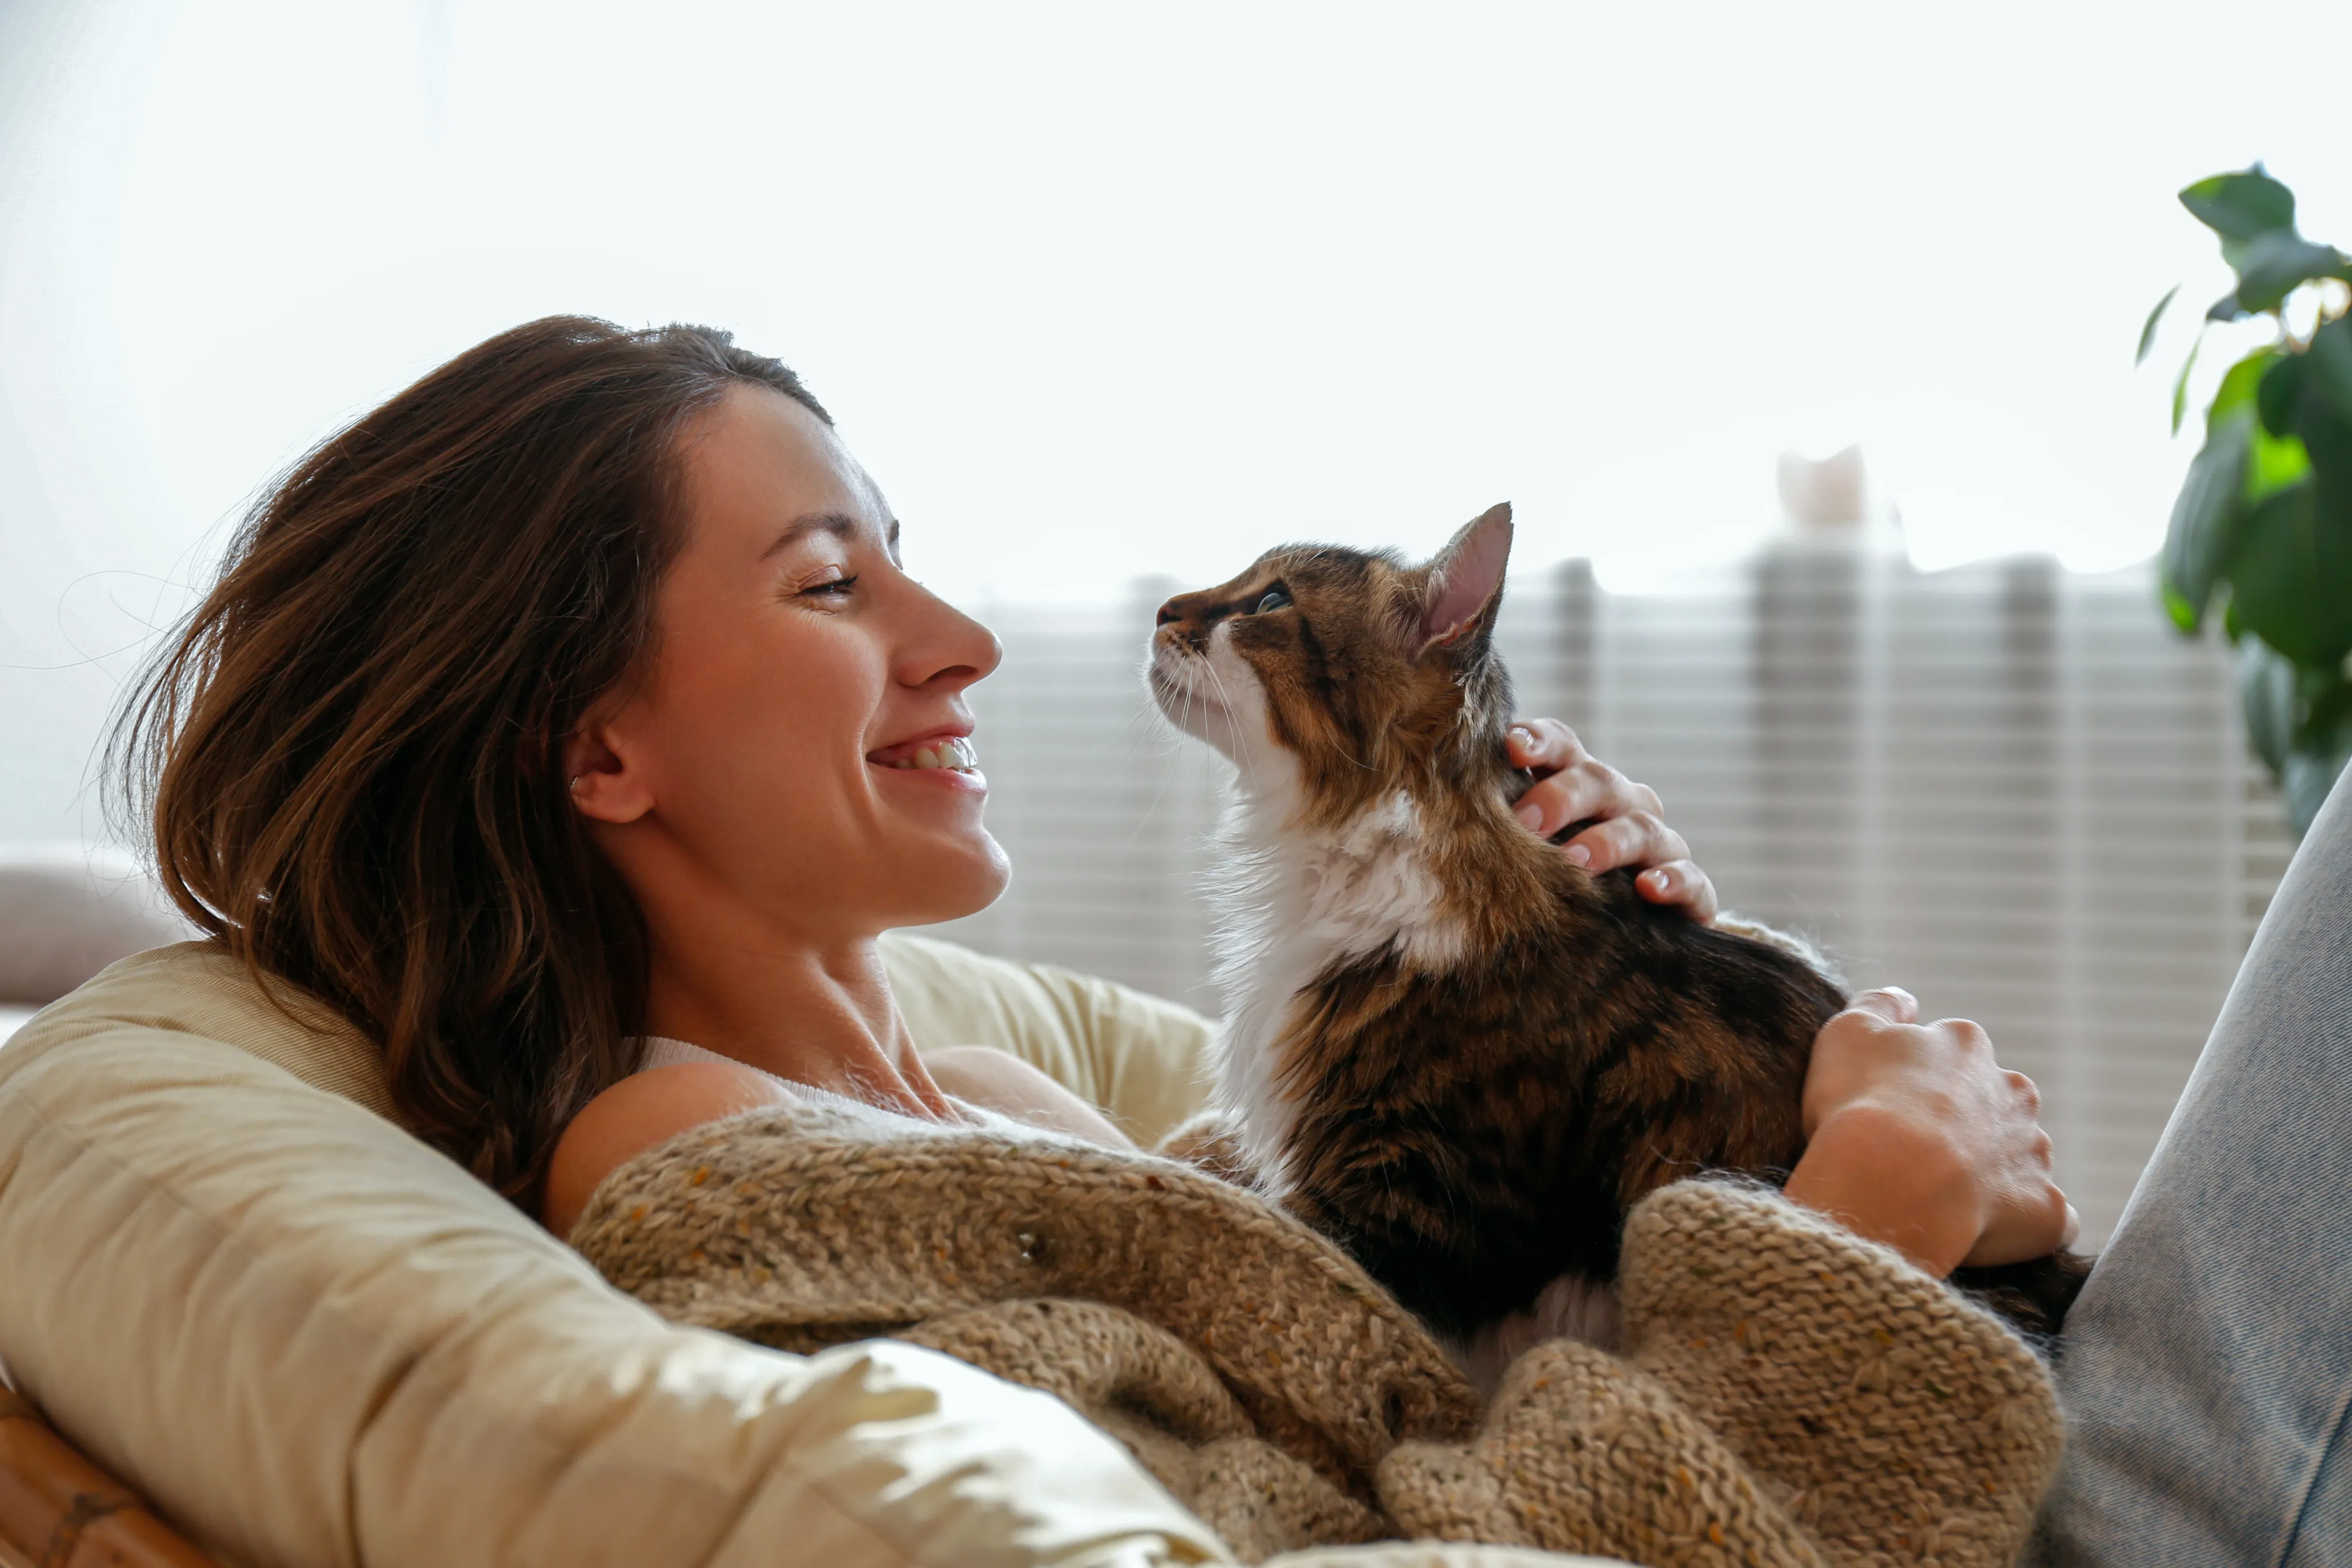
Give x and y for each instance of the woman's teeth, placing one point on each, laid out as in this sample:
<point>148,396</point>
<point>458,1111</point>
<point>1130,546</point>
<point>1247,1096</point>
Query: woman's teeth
<point>955,755</point>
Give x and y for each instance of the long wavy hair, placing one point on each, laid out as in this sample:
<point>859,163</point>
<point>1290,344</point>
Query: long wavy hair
<point>352,752</point>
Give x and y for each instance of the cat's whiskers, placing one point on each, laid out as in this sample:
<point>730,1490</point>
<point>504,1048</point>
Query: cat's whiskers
<point>1244,751</point>
<point>1159,787</point>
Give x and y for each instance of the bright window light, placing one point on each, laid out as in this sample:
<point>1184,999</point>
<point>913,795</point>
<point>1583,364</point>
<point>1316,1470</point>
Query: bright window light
<point>1102,291</point>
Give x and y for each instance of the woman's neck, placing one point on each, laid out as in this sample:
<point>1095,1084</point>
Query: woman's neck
<point>820,1015</point>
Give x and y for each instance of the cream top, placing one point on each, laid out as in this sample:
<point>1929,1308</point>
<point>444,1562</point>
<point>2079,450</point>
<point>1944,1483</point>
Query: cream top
<point>663,1051</point>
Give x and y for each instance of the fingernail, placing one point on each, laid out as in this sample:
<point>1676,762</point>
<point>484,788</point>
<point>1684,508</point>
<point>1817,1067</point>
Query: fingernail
<point>1530,817</point>
<point>1579,856</point>
<point>1658,880</point>
<point>1525,739</point>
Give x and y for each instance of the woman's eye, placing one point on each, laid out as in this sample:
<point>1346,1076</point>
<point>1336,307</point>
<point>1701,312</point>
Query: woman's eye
<point>832,588</point>
<point>1275,599</point>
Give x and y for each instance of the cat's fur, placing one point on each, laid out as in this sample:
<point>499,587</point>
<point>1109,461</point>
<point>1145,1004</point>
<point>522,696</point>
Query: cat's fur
<point>1458,1054</point>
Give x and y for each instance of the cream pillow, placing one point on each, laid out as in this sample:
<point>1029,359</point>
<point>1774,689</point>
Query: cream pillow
<point>314,1342</point>
<point>1143,1060</point>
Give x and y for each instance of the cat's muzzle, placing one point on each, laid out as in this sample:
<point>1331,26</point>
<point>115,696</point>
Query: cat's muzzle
<point>1185,692</point>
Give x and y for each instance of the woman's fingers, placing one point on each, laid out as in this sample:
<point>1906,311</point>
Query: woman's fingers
<point>1857,1051</point>
<point>2027,1215</point>
<point>1637,838</point>
<point>1628,827</point>
<point>1890,1004</point>
<point>1680,882</point>
<point>2032,1220</point>
<point>1544,746</point>
<point>1584,790</point>
<point>1951,1162</point>
<point>1640,838</point>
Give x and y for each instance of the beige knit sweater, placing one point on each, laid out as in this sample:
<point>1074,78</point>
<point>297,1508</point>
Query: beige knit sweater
<point>1789,1394</point>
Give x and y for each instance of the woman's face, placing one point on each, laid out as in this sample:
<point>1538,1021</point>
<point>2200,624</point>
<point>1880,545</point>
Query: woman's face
<point>773,760</point>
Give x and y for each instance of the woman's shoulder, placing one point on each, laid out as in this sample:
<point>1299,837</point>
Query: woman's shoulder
<point>640,1111</point>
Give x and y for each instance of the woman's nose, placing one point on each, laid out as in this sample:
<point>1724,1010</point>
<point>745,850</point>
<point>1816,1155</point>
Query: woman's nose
<point>975,649</point>
<point>950,645</point>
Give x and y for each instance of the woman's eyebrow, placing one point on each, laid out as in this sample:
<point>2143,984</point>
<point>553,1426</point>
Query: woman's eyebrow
<point>841,525</point>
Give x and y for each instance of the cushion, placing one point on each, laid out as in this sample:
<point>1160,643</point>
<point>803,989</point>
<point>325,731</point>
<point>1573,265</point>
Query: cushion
<point>1144,1060</point>
<point>309,1339</point>
<point>67,912</point>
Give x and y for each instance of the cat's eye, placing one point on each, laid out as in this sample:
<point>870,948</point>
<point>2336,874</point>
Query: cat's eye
<point>1276,598</point>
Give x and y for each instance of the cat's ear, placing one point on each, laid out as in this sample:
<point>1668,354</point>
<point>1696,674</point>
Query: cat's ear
<point>1466,581</point>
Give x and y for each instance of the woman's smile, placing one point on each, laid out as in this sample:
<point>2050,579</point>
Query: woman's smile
<point>949,753</point>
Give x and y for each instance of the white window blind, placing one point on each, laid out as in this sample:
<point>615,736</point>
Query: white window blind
<point>2008,788</point>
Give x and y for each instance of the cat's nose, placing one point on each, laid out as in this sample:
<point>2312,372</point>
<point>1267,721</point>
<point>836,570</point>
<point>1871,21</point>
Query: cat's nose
<point>1167,612</point>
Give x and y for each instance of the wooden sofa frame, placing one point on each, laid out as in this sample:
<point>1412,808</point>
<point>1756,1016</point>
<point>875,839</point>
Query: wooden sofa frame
<point>59,1511</point>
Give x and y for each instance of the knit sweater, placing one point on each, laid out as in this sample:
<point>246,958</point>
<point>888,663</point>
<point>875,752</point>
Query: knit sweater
<point>1789,1394</point>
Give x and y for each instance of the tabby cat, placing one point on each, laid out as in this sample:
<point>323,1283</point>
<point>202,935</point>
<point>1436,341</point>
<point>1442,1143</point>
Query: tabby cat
<point>1456,1053</point>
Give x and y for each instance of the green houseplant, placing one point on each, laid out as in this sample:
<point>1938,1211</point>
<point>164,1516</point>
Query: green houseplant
<point>2262,528</point>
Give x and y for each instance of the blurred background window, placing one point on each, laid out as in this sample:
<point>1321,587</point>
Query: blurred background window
<point>1111,298</point>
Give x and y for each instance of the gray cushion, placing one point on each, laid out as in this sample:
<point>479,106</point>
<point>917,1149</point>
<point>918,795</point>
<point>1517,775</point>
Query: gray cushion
<point>66,912</point>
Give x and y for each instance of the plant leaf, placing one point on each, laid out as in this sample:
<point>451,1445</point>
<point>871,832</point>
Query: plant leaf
<point>2203,537</point>
<point>2306,394</point>
<point>2289,564</point>
<point>2147,333</point>
<point>2273,463</point>
<point>2321,698</point>
<point>2278,396</point>
<point>2240,384</point>
<point>2331,365</point>
<point>2180,381</point>
<point>2241,205</point>
<point>2315,761</point>
<point>2266,693</point>
<point>2272,266</point>
<point>2327,440</point>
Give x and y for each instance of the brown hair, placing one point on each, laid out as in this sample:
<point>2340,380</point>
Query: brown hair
<point>354,749</point>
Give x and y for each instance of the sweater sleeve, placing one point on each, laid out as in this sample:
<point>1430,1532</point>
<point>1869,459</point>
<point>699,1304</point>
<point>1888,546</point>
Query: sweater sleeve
<point>1789,1394</point>
<point>1892,1417</point>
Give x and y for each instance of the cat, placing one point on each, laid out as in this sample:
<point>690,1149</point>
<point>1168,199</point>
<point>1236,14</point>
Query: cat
<point>1450,1049</point>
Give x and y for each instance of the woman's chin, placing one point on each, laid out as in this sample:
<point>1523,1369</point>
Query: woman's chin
<point>957,879</point>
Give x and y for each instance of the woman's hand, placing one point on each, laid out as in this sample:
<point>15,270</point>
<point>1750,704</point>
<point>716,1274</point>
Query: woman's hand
<point>1918,1139</point>
<point>1571,785</point>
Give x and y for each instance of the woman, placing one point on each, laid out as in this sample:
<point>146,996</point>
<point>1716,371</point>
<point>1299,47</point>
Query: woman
<point>578,696</point>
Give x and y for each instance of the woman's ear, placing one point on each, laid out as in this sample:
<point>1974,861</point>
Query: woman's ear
<point>1466,581</point>
<point>599,780</point>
